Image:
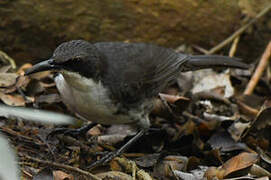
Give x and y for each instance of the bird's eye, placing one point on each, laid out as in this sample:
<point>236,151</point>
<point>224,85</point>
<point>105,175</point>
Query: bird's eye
<point>77,58</point>
<point>51,61</point>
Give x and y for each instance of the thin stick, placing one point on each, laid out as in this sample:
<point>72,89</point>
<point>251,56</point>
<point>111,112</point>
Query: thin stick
<point>63,166</point>
<point>200,49</point>
<point>259,70</point>
<point>239,31</point>
<point>234,46</point>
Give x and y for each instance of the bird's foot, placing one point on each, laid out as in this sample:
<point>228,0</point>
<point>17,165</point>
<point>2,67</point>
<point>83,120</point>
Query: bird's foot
<point>108,157</point>
<point>105,159</point>
<point>72,132</point>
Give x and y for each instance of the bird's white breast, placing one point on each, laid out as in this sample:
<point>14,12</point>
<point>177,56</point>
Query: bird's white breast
<point>88,98</point>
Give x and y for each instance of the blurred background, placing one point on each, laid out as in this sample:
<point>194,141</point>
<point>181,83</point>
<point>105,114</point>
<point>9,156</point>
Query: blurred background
<point>31,30</point>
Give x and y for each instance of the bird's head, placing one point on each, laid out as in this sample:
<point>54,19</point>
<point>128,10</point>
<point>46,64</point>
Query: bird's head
<point>77,56</point>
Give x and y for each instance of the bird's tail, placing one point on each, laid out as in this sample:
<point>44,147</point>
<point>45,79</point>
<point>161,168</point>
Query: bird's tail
<point>210,61</point>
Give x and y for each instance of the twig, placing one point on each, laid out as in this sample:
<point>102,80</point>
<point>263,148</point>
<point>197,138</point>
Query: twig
<point>7,58</point>
<point>70,168</point>
<point>23,138</point>
<point>246,109</point>
<point>200,49</point>
<point>27,174</point>
<point>239,31</point>
<point>234,46</point>
<point>193,117</point>
<point>259,70</point>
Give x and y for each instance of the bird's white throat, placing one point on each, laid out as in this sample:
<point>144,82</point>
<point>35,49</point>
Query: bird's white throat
<point>87,98</point>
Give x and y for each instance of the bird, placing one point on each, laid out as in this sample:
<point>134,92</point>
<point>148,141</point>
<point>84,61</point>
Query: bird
<point>116,82</point>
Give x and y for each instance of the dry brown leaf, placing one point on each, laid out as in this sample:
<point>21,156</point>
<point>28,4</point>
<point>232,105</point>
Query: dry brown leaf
<point>236,163</point>
<point>60,175</point>
<point>23,68</point>
<point>212,173</point>
<point>4,69</point>
<point>263,118</point>
<point>250,105</point>
<point>123,164</point>
<point>143,175</point>
<point>258,171</point>
<point>111,139</point>
<point>7,79</point>
<point>12,100</point>
<point>111,175</point>
<point>148,160</point>
<point>21,82</point>
<point>241,161</point>
<point>247,110</point>
<point>95,131</point>
<point>34,87</point>
<point>172,99</point>
<point>169,164</point>
<point>47,85</point>
<point>263,178</point>
<point>238,129</point>
<point>196,174</point>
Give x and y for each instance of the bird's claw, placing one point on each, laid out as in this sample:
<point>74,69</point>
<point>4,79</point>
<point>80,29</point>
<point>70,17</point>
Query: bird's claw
<point>71,132</point>
<point>64,131</point>
<point>104,160</point>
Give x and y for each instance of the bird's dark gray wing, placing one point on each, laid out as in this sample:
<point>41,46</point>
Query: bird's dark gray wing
<point>136,71</point>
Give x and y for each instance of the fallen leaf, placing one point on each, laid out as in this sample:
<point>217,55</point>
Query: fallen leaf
<point>197,174</point>
<point>7,79</point>
<point>114,175</point>
<point>44,174</point>
<point>12,100</point>
<point>173,99</point>
<point>23,68</point>
<point>143,175</point>
<point>238,129</point>
<point>34,87</point>
<point>224,142</point>
<point>241,161</point>
<point>258,171</point>
<point>169,164</point>
<point>148,160</point>
<point>5,69</point>
<point>207,80</point>
<point>111,139</point>
<point>123,164</point>
<point>60,175</point>
<point>95,131</point>
<point>263,118</point>
<point>21,82</point>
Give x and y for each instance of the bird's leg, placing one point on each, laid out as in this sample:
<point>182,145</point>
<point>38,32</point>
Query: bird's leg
<point>124,148</point>
<point>72,132</point>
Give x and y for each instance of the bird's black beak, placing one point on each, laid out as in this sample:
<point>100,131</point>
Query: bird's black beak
<point>42,66</point>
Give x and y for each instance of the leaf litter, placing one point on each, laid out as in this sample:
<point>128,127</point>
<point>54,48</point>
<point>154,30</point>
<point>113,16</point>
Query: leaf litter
<point>207,129</point>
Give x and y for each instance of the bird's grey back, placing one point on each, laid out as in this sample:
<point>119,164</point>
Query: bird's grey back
<point>136,71</point>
